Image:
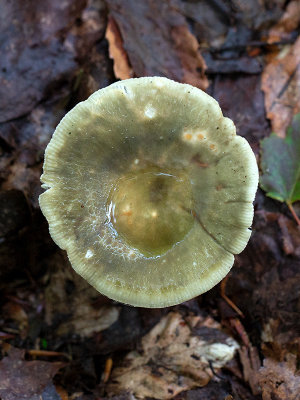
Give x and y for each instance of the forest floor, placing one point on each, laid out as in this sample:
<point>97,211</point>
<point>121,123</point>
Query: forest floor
<point>59,338</point>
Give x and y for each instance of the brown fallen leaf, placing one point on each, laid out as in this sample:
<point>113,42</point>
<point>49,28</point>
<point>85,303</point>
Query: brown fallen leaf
<point>290,236</point>
<point>25,179</point>
<point>122,68</point>
<point>25,379</point>
<point>276,343</point>
<point>16,313</point>
<point>242,100</point>
<point>27,138</point>
<point>287,23</point>
<point>277,297</point>
<point>251,363</point>
<point>288,232</point>
<point>62,392</point>
<point>68,295</point>
<point>279,380</point>
<point>87,320</point>
<point>191,61</point>
<point>281,85</point>
<point>34,55</point>
<point>157,41</point>
<point>176,355</point>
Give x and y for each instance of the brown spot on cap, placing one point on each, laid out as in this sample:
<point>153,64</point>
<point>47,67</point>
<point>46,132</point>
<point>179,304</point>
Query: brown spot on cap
<point>196,159</point>
<point>187,136</point>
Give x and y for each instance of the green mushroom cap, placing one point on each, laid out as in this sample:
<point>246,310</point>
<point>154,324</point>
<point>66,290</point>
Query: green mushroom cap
<point>149,190</point>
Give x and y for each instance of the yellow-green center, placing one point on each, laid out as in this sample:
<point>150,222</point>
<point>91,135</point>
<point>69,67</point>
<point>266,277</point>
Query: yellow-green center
<point>151,209</point>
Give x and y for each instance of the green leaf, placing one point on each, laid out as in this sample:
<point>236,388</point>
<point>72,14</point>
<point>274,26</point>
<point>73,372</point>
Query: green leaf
<point>280,163</point>
<point>44,343</point>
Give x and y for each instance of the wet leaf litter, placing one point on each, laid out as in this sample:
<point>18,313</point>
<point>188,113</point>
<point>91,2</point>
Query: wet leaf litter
<point>50,312</point>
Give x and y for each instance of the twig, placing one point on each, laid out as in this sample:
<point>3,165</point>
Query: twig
<point>5,335</point>
<point>46,353</point>
<point>107,369</point>
<point>291,208</point>
<point>227,299</point>
<point>238,326</point>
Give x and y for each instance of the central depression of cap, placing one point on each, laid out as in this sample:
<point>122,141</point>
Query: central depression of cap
<point>151,209</point>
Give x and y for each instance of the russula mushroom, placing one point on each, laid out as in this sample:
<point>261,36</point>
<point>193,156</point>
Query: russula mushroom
<point>149,190</point>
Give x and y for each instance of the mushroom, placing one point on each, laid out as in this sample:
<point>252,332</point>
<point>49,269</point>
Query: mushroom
<point>149,190</point>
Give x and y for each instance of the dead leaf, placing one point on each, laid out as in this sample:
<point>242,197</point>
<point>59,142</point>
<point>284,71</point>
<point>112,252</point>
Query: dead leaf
<point>277,343</point>
<point>191,61</point>
<point>279,380</point>
<point>69,296</point>
<point>124,333</point>
<point>287,23</point>
<point>51,393</point>
<point>122,68</point>
<point>16,313</point>
<point>214,390</point>
<point>88,30</point>
<point>242,65</point>
<point>62,392</point>
<point>281,85</point>
<point>277,296</point>
<point>210,23</point>
<point>15,213</point>
<point>25,379</point>
<point>33,57</point>
<point>87,320</point>
<point>157,41</point>
<point>25,179</point>
<point>28,138</point>
<point>176,355</point>
<point>290,236</point>
<point>257,13</point>
<point>242,100</point>
<point>251,363</point>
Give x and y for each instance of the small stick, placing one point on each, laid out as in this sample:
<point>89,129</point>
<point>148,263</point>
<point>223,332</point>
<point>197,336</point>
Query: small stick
<point>238,326</point>
<point>46,353</point>
<point>5,335</point>
<point>291,208</point>
<point>107,369</point>
<point>227,299</point>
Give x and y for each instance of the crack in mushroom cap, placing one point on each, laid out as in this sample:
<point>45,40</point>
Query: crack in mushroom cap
<point>139,126</point>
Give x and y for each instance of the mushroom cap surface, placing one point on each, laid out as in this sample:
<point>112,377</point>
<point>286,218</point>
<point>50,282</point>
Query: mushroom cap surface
<point>149,190</point>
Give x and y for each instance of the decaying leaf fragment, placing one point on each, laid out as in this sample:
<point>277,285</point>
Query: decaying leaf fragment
<point>177,355</point>
<point>279,380</point>
<point>122,69</point>
<point>157,41</point>
<point>21,379</point>
<point>73,301</point>
<point>281,85</point>
<point>280,164</point>
<point>250,363</point>
<point>287,23</point>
